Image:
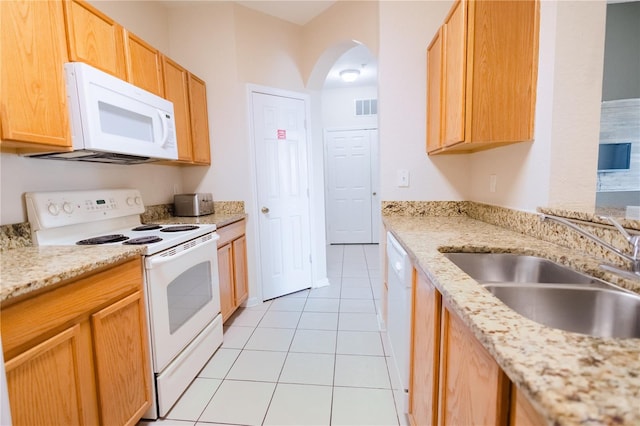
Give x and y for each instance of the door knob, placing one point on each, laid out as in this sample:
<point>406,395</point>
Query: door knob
<point>374,194</point>
<point>264,210</point>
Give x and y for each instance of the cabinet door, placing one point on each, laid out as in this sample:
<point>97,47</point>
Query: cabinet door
<point>144,64</point>
<point>473,388</point>
<point>199,121</point>
<point>502,92</point>
<point>177,91</point>
<point>455,74</point>
<point>434,92</point>
<point>94,38</point>
<point>225,274</point>
<point>425,346</point>
<point>33,97</point>
<point>123,375</point>
<point>52,383</point>
<point>522,412</point>
<point>240,284</point>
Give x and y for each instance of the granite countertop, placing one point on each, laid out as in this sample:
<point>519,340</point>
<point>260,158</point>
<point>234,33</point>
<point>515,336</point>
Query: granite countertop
<point>570,378</point>
<point>27,269</point>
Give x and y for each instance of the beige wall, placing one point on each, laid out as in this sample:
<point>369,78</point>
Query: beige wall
<point>577,97</point>
<point>203,39</point>
<point>559,168</point>
<point>334,32</point>
<point>268,50</point>
<point>231,47</point>
<point>153,28</point>
<point>406,29</point>
<point>338,108</point>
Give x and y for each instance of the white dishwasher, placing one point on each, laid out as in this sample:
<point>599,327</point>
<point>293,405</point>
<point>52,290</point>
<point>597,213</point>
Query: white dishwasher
<point>399,280</point>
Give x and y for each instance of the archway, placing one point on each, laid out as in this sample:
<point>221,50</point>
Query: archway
<point>350,135</point>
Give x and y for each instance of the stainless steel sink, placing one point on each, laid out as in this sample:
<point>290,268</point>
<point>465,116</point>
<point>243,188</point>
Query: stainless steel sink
<point>594,311</point>
<point>514,268</point>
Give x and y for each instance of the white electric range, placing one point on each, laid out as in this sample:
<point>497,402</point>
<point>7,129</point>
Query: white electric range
<point>180,273</point>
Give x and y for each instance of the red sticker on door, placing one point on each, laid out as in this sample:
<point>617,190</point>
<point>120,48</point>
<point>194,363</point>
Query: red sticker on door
<point>282,134</point>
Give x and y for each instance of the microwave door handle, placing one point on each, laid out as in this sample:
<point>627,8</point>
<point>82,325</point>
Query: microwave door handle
<point>165,128</point>
<point>158,260</point>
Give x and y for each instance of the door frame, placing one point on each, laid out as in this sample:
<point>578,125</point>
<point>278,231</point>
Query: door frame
<point>318,240</point>
<point>375,176</point>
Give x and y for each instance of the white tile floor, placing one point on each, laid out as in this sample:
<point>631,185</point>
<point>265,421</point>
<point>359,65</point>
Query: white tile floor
<point>311,358</point>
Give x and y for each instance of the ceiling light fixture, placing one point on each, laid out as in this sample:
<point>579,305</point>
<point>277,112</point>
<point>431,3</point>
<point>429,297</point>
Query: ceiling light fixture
<point>349,75</point>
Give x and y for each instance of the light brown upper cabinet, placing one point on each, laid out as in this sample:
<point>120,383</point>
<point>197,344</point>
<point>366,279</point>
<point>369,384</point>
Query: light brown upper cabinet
<point>39,37</point>
<point>488,76</point>
<point>94,38</point>
<point>199,120</point>
<point>144,64</point>
<point>33,98</point>
<point>189,96</point>
<point>434,91</point>
<point>454,72</point>
<point>176,89</point>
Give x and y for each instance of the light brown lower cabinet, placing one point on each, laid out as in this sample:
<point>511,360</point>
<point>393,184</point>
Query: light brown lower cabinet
<point>425,352</point>
<point>232,267</point>
<point>522,412</point>
<point>473,388</point>
<point>79,354</point>
<point>454,380</point>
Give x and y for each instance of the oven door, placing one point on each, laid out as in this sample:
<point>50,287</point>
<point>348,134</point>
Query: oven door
<point>183,295</point>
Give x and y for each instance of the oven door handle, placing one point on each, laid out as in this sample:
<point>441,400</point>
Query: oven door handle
<point>156,260</point>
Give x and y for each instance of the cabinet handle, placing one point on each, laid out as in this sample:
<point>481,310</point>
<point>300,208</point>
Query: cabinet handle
<point>264,210</point>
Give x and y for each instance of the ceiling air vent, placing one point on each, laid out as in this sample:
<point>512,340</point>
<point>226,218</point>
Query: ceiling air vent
<point>366,106</point>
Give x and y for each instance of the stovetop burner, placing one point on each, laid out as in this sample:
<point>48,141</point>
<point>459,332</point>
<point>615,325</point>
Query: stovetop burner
<point>103,239</point>
<point>143,240</point>
<point>147,227</point>
<point>179,228</point>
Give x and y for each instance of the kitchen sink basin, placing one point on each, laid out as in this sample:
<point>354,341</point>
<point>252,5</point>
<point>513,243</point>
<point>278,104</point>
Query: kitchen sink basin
<point>593,311</point>
<point>514,268</point>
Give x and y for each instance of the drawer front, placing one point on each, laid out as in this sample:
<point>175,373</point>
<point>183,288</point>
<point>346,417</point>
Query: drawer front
<point>231,232</point>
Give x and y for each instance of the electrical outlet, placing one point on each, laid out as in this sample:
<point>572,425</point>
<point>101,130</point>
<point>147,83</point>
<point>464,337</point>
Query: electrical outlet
<point>493,183</point>
<point>402,178</point>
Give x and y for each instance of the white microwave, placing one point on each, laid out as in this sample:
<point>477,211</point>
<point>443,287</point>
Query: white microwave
<point>113,121</point>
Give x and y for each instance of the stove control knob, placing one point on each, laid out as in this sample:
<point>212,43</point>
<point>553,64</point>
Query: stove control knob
<point>130,201</point>
<point>138,201</point>
<point>67,207</point>
<point>53,209</point>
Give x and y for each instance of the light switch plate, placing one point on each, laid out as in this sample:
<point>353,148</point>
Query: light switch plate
<point>402,178</point>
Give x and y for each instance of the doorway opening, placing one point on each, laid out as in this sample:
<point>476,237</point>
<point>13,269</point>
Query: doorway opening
<point>350,137</point>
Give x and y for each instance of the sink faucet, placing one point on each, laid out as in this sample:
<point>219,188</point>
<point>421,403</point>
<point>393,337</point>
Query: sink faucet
<point>634,241</point>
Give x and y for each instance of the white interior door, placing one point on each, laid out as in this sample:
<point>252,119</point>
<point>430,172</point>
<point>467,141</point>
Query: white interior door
<point>351,193</point>
<point>282,194</point>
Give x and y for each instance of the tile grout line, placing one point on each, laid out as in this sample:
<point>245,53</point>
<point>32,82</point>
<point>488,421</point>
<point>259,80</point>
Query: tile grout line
<point>271,308</point>
<point>335,352</point>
